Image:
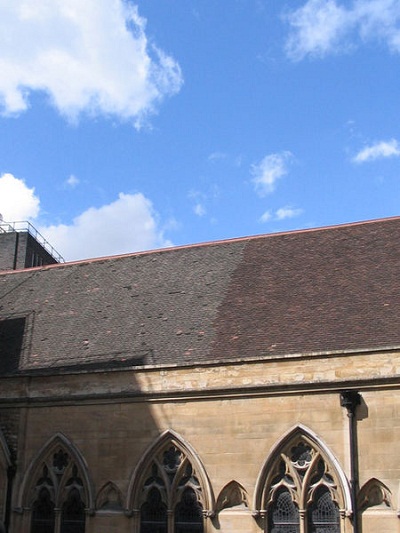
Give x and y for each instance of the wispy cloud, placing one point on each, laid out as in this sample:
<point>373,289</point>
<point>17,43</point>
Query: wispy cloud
<point>282,213</point>
<point>201,200</point>
<point>217,156</point>
<point>378,150</point>
<point>270,169</point>
<point>198,200</point>
<point>317,28</point>
<point>230,159</point>
<point>88,57</point>
<point>71,182</point>
<point>266,216</point>
<point>322,27</point>
<point>199,210</point>
<point>95,232</point>
<point>287,212</point>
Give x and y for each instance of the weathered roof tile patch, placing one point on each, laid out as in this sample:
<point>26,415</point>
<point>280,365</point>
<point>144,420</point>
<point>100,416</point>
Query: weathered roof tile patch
<point>322,290</point>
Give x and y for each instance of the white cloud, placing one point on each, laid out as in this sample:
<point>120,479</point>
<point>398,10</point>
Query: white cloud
<point>287,212</point>
<point>90,56</point>
<point>280,214</point>
<point>17,201</point>
<point>321,27</point>
<point>268,171</point>
<point>199,210</point>
<point>378,150</point>
<point>128,224</point>
<point>72,181</point>
<point>318,26</point>
<point>200,200</point>
<point>379,19</point>
<point>217,156</point>
<point>230,159</point>
<point>265,217</point>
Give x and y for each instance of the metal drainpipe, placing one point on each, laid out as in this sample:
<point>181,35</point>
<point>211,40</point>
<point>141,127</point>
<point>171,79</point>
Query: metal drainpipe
<point>350,399</point>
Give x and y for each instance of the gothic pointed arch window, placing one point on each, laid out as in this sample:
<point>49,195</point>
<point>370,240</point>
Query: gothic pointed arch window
<point>170,490</point>
<point>301,488</point>
<point>56,489</point>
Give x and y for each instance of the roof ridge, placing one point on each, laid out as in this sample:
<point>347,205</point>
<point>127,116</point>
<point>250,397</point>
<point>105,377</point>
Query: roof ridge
<point>204,244</point>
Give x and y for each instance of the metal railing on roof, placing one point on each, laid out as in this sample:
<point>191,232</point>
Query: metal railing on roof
<point>24,226</point>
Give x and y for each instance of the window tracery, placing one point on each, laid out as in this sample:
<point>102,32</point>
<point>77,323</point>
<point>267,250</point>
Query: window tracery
<point>169,493</point>
<point>59,483</point>
<point>300,489</point>
<point>55,490</point>
<point>172,485</point>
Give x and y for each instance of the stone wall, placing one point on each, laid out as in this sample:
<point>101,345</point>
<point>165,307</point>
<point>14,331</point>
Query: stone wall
<point>230,417</point>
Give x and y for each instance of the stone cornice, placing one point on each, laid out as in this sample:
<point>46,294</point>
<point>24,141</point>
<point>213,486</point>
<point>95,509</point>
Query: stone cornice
<point>323,374</point>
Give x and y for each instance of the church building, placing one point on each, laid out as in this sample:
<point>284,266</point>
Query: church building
<point>242,386</point>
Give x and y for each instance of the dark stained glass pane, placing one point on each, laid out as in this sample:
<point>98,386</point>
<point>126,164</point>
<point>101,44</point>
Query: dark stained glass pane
<point>283,515</point>
<point>189,514</point>
<point>153,514</point>
<point>43,513</point>
<point>323,513</point>
<point>73,513</point>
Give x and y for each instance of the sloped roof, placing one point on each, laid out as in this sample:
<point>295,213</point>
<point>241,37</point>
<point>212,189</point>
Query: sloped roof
<point>317,290</point>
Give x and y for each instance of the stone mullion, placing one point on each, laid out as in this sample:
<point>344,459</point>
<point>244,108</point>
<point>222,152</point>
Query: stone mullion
<point>136,520</point>
<point>303,523</point>
<point>57,520</point>
<point>25,520</point>
<point>170,521</point>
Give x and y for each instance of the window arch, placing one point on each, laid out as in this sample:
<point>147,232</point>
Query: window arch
<point>169,491</point>
<point>301,488</point>
<point>56,490</point>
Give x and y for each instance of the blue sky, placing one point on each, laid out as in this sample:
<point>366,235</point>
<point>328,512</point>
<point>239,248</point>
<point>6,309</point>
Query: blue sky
<point>135,125</point>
